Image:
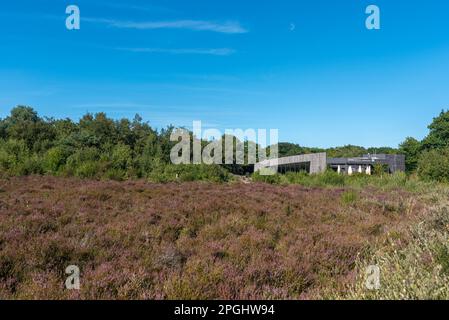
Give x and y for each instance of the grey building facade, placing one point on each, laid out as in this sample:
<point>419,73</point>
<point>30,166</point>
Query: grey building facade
<point>312,163</point>
<point>392,162</point>
<point>318,162</point>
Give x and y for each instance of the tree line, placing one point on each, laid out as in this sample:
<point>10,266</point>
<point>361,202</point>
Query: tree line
<point>100,147</point>
<point>429,158</point>
<point>94,147</point>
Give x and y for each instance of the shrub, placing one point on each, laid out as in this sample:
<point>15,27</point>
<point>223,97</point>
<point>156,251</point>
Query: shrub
<point>5,160</point>
<point>11,271</point>
<point>89,169</point>
<point>398,179</point>
<point>434,165</point>
<point>121,156</point>
<point>85,163</point>
<point>115,174</point>
<point>271,179</point>
<point>31,165</point>
<point>328,178</point>
<point>411,148</point>
<point>379,169</point>
<point>349,197</point>
<point>331,178</point>
<point>202,172</point>
<point>12,153</point>
<point>415,270</point>
<point>54,159</point>
<point>15,159</point>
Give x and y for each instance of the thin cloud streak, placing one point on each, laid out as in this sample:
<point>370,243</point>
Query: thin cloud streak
<point>129,6</point>
<point>215,52</point>
<point>229,27</point>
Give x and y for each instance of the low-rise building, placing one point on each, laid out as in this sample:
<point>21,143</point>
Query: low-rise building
<point>319,162</point>
<point>365,164</point>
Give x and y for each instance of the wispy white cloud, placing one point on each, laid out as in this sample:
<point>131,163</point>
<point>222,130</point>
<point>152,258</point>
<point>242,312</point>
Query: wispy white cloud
<point>214,52</point>
<point>230,27</point>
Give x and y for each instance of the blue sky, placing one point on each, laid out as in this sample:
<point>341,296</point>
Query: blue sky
<point>234,64</point>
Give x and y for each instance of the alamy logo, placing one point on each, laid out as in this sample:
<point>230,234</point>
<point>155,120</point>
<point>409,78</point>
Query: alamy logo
<point>373,20</point>
<point>190,148</point>
<point>73,280</point>
<point>73,21</point>
<point>372,280</point>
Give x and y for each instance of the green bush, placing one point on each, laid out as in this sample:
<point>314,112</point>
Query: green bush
<point>89,169</point>
<point>12,153</point>
<point>84,163</point>
<point>379,169</point>
<point>349,197</point>
<point>121,157</point>
<point>15,159</point>
<point>434,165</point>
<point>54,159</point>
<point>331,178</point>
<point>272,179</point>
<point>5,160</point>
<point>115,174</point>
<point>31,165</point>
<point>167,173</point>
<point>326,179</point>
<point>398,180</point>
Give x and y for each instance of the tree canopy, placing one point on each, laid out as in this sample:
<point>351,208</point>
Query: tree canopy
<point>101,147</point>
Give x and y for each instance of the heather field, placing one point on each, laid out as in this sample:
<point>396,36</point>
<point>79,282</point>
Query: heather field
<point>197,240</point>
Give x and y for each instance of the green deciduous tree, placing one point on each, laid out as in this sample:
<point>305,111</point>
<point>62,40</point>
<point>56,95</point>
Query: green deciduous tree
<point>24,124</point>
<point>438,136</point>
<point>411,148</point>
<point>434,165</point>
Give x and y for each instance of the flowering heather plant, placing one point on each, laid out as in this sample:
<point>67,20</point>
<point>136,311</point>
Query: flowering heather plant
<point>192,240</point>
